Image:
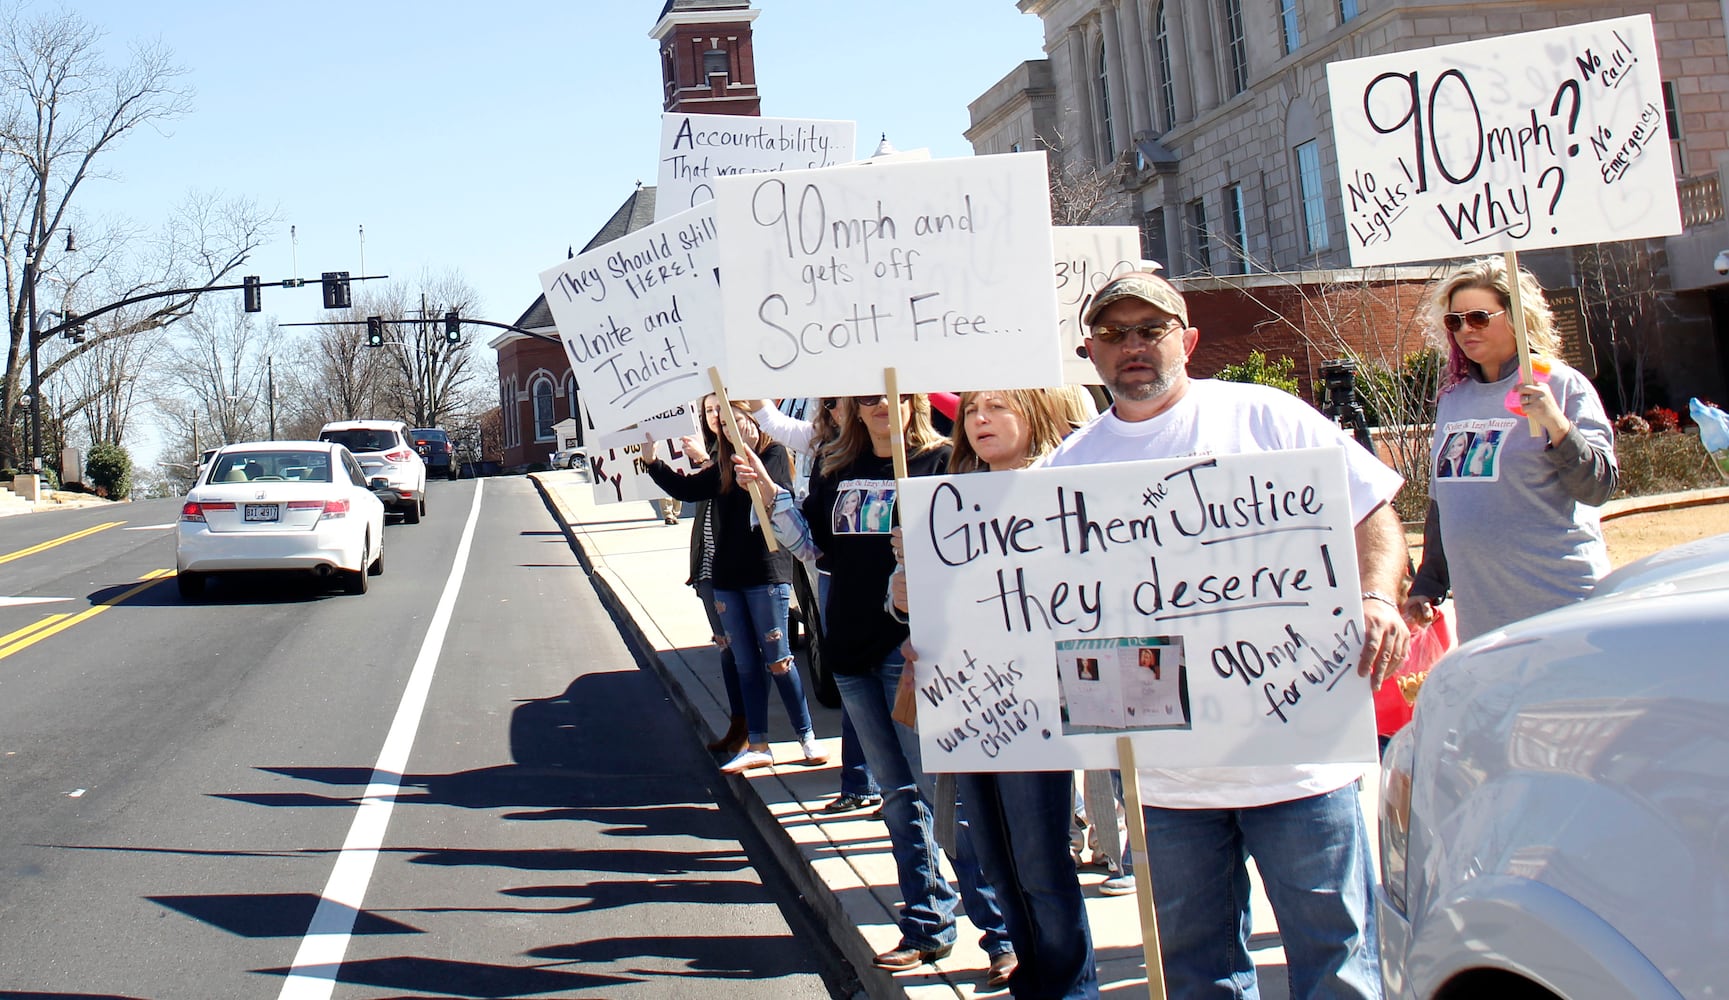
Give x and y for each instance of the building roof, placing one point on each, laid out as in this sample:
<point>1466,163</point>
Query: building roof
<point>636,212</point>
<point>702,5</point>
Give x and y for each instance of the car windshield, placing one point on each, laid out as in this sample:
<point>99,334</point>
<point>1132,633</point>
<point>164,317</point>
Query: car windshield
<point>272,466</point>
<point>430,436</point>
<point>361,439</point>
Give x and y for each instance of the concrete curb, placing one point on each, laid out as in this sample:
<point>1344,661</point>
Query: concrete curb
<point>830,915</point>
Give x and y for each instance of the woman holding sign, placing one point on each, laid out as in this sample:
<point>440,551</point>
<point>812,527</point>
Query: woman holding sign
<point>1020,820</point>
<point>863,645</point>
<point>1540,492</point>
<point>752,589</point>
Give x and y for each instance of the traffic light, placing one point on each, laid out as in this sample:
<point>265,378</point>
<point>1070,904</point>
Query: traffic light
<point>336,290</point>
<point>253,293</point>
<point>374,331</point>
<point>452,328</point>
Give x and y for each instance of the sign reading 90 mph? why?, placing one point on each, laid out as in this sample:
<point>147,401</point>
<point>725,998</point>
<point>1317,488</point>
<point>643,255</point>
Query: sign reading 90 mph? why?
<point>1541,139</point>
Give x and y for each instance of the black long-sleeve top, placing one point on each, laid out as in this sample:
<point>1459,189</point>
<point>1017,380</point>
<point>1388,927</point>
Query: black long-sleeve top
<point>741,557</point>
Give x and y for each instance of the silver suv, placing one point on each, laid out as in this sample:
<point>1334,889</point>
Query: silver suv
<point>395,471</point>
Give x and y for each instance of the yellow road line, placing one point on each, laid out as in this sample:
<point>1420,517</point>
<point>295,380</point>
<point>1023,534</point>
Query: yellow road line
<point>30,635</point>
<point>62,540</point>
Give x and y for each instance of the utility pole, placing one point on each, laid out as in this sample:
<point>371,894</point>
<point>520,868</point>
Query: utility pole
<point>270,387</point>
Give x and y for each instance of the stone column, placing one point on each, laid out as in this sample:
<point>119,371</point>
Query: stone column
<point>1114,82</point>
<point>1135,55</point>
<point>1080,67</point>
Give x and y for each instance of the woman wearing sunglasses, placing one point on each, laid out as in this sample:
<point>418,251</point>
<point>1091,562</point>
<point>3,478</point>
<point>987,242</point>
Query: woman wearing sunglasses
<point>863,646</point>
<point>1540,494</point>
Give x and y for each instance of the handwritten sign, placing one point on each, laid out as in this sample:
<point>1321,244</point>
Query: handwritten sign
<point>1207,607</point>
<point>940,269</point>
<point>696,149</point>
<point>1542,139</point>
<point>1085,259</point>
<point>615,461</point>
<point>637,318</point>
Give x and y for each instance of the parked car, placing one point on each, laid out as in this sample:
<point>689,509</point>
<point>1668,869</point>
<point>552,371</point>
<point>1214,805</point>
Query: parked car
<point>436,450</point>
<point>384,452</point>
<point>280,505</point>
<point>1554,819</point>
<point>572,457</point>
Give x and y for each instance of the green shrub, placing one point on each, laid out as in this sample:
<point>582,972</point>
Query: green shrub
<point>110,470</point>
<point>1258,370</point>
<point>1663,463</point>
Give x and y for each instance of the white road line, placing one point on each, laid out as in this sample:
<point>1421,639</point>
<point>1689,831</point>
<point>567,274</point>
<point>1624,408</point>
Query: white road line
<point>8,602</point>
<point>319,960</point>
<point>151,527</point>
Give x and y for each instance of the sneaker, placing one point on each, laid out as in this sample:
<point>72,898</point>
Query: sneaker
<point>1118,885</point>
<point>851,803</point>
<point>746,759</point>
<point>813,751</point>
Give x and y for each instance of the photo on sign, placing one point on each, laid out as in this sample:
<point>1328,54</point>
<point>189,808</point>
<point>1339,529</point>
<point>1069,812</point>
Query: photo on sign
<point>1123,683</point>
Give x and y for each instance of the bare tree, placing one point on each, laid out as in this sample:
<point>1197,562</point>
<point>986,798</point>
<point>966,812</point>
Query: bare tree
<point>1624,306</point>
<point>1082,192</point>
<point>62,109</point>
<point>218,372</point>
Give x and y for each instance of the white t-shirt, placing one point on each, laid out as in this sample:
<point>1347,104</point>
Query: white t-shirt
<point>1239,418</point>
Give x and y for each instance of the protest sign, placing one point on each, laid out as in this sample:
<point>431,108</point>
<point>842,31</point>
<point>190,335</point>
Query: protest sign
<point>638,318</point>
<point>1542,139</point>
<point>1207,607</point>
<point>695,149</point>
<point>1085,259</point>
<point>939,269</point>
<point>615,462</point>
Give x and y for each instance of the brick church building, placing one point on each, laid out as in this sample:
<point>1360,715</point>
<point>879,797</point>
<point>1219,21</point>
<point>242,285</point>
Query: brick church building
<point>707,67</point>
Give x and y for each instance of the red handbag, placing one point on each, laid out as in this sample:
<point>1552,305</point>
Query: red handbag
<point>1428,645</point>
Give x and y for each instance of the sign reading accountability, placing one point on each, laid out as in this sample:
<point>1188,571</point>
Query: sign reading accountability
<point>1207,607</point>
<point>695,149</point>
<point>1544,139</point>
<point>940,269</point>
<point>1086,259</point>
<point>637,318</point>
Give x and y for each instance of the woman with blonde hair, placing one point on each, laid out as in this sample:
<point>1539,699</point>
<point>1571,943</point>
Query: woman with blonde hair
<point>1540,493</point>
<point>863,648</point>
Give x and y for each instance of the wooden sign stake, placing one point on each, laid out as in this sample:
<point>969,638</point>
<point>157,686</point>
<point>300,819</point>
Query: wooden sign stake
<point>1137,821</point>
<point>897,430</point>
<point>1519,338</point>
<point>729,422</point>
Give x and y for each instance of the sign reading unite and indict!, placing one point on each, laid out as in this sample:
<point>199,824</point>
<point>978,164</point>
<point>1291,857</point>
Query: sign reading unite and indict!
<point>1085,259</point>
<point>696,149</point>
<point>1542,139</point>
<point>939,269</point>
<point>637,318</point>
<point>1207,607</point>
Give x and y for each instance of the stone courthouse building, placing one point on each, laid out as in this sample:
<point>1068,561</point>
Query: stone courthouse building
<point>1205,123</point>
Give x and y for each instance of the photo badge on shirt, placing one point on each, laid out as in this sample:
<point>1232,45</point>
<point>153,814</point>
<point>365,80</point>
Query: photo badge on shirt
<point>864,507</point>
<point>1471,449</point>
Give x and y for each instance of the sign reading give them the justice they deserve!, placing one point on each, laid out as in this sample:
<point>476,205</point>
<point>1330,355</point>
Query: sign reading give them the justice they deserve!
<point>637,318</point>
<point>940,269</point>
<point>1543,139</point>
<point>1206,607</point>
<point>695,149</point>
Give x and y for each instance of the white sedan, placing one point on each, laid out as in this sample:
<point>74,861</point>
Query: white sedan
<point>281,505</point>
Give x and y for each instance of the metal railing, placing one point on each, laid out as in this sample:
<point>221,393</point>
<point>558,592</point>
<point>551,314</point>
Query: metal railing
<point>1701,200</point>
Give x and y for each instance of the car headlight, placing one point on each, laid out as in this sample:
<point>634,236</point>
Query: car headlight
<point>1396,814</point>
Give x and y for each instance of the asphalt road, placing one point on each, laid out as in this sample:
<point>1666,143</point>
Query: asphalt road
<point>458,784</point>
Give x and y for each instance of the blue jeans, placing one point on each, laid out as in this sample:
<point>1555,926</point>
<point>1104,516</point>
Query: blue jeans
<point>728,666</point>
<point>755,620</point>
<point>927,918</point>
<point>1019,825</point>
<point>1313,855</point>
<point>855,774</point>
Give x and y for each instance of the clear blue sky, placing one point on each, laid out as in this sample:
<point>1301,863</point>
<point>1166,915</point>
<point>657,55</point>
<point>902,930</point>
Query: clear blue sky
<point>487,138</point>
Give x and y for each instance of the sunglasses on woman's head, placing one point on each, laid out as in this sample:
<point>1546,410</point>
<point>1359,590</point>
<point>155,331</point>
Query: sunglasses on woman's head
<point>873,400</point>
<point>1150,334</point>
<point>1476,319</point>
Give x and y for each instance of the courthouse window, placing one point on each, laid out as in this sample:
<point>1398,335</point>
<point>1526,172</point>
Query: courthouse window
<point>1167,83</point>
<point>1313,195</point>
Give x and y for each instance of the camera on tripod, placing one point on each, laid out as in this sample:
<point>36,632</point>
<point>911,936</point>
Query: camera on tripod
<point>1340,404</point>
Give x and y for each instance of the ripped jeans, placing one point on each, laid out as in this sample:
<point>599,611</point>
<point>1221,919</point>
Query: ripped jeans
<point>755,621</point>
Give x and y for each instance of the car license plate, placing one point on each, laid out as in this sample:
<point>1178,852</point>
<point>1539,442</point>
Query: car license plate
<point>262,512</point>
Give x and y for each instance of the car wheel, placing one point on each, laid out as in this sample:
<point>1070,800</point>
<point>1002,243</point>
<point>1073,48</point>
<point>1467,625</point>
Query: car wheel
<point>411,513</point>
<point>423,500</point>
<point>377,567</point>
<point>191,585</point>
<point>355,582</point>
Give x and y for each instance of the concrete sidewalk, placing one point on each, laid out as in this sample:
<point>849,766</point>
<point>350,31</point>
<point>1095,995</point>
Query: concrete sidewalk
<point>841,864</point>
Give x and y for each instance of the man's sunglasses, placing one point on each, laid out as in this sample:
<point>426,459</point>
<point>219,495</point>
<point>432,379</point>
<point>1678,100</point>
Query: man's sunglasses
<point>1476,319</point>
<point>873,400</point>
<point>1150,334</point>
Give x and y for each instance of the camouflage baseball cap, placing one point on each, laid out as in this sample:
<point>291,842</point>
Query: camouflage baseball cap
<point>1143,285</point>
